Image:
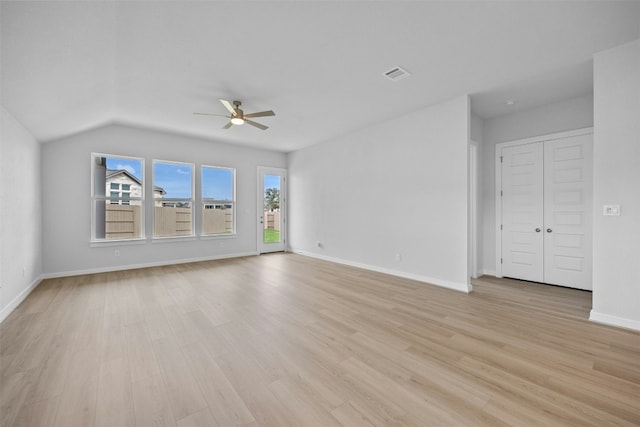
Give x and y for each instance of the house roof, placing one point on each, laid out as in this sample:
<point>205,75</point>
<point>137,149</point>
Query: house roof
<point>73,66</point>
<point>115,172</point>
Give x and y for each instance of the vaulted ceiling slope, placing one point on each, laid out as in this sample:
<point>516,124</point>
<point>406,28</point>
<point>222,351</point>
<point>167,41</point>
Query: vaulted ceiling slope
<point>72,66</point>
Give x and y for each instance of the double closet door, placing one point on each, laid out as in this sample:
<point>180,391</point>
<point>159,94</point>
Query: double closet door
<point>545,210</point>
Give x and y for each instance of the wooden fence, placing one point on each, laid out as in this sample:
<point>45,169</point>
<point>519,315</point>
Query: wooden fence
<point>169,221</point>
<point>217,221</point>
<point>124,222</point>
<point>272,220</point>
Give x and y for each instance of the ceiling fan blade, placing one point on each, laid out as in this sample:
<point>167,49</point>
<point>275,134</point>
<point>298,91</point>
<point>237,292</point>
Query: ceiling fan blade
<point>261,114</point>
<point>228,106</point>
<point>258,125</point>
<point>210,114</point>
<point>227,126</point>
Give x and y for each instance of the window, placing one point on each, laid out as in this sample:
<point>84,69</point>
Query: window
<point>121,195</point>
<point>218,200</point>
<point>117,197</point>
<point>173,199</point>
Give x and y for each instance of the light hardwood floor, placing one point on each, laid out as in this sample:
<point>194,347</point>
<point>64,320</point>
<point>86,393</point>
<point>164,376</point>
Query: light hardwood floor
<point>284,340</point>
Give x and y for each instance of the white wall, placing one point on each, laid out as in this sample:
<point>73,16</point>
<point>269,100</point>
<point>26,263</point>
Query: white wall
<point>476,132</point>
<point>20,217</point>
<point>476,128</point>
<point>576,113</point>
<point>616,275</point>
<point>66,170</point>
<point>399,187</point>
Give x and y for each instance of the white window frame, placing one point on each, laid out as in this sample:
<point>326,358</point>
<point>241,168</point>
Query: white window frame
<point>108,199</point>
<point>175,200</point>
<point>205,201</point>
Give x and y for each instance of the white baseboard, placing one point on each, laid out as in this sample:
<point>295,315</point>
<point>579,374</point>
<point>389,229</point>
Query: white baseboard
<point>144,265</point>
<point>610,320</point>
<point>13,304</point>
<point>461,287</point>
<point>484,272</point>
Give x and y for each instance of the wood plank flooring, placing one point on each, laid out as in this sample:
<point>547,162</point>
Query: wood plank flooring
<point>285,340</point>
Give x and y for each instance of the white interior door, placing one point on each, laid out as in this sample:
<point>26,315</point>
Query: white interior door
<point>522,212</point>
<point>568,211</point>
<point>272,197</point>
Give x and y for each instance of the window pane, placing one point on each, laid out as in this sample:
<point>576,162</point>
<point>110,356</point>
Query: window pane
<point>115,218</point>
<point>173,218</point>
<point>217,219</point>
<point>173,211</point>
<point>121,221</point>
<point>217,183</point>
<point>126,187</point>
<point>174,178</point>
<point>271,214</point>
<point>217,200</point>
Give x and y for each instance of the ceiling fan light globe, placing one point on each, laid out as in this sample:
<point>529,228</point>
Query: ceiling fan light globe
<point>237,121</point>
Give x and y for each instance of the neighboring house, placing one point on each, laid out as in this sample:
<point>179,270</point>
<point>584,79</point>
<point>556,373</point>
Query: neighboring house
<point>122,184</point>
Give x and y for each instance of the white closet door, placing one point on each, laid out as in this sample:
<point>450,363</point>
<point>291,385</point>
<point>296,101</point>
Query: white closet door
<point>522,212</point>
<point>568,211</point>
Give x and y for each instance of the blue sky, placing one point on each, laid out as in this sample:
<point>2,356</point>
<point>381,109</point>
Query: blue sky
<point>272,181</point>
<point>217,183</point>
<point>134,167</point>
<point>175,178</point>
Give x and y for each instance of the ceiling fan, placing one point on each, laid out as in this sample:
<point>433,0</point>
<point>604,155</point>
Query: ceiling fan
<point>238,117</point>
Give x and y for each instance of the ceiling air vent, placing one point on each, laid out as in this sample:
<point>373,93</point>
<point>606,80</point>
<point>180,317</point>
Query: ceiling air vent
<point>396,74</point>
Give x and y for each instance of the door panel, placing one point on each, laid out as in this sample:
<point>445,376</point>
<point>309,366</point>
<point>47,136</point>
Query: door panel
<point>522,212</point>
<point>568,211</point>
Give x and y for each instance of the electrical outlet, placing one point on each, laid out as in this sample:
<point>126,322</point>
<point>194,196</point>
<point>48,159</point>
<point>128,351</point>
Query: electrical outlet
<point>611,210</point>
<point>398,257</point>
<point>116,253</point>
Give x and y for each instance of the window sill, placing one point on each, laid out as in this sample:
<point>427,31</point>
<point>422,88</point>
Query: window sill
<point>102,243</point>
<point>169,239</point>
<point>218,236</point>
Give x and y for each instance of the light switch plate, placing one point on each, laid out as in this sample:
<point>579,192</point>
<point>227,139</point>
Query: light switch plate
<point>611,210</point>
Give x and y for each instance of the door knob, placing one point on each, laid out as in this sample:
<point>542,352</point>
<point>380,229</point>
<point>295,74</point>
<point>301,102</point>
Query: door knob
<point>537,230</point>
<point>549,230</point>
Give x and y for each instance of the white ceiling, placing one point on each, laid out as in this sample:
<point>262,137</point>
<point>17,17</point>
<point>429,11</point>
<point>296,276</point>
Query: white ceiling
<point>72,66</point>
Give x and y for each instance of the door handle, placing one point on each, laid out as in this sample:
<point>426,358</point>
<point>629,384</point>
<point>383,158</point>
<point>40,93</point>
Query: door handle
<point>549,230</point>
<point>537,230</point>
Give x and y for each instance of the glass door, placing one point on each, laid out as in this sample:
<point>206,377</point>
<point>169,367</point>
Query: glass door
<point>271,209</point>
